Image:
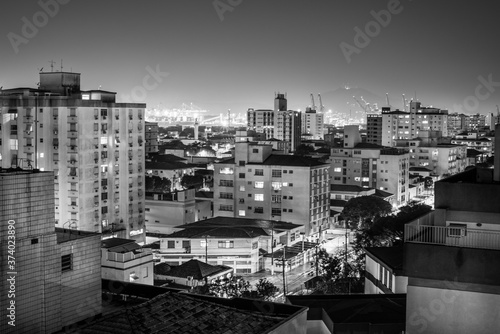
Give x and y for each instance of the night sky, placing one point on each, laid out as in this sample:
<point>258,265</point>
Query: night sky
<point>239,57</point>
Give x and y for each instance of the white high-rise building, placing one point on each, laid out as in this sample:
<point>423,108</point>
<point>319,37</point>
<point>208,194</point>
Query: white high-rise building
<point>94,145</point>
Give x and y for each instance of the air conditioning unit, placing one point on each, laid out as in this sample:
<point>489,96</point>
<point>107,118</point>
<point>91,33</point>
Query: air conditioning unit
<point>104,188</point>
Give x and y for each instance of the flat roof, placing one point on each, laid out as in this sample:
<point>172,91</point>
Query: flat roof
<point>392,257</point>
<point>64,235</point>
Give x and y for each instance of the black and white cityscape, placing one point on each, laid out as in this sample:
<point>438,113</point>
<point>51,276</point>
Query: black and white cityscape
<point>236,166</point>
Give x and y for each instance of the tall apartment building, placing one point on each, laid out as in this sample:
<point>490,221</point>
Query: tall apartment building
<point>461,122</point>
<point>439,158</point>
<point>281,124</point>
<point>370,165</point>
<point>257,184</point>
<point>374,128</point>
<point>452,256</point>
<point>151,134</point>
<point>50,277</point>
<point>313,124</point>
<point>94,145</point>
<point>407,125</point>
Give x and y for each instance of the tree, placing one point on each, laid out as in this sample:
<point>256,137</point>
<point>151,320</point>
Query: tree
<point>229,287</point>
<point>158,184</point>
<point>266,290</point>
<point>238,287</point>
<point>339,273</point>
<point>303,150</point>
<point>360,212</point>
<point>192,181</point>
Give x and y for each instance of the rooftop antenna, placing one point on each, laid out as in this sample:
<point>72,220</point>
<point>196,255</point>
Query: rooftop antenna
<point>61,65</point>
<point>40,69</point>
<point>52,65</point>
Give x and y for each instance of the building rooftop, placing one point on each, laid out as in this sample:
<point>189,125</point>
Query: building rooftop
<point>354,309</point>
<point>392,257</point>
<point>172,165</point>
<point>368,145</point>
<point>114,242</point>
<point>64,235</point>
<point>420,169</point>
<point>167,158</point>
<point>338,202</point>
<point>283,160</point>
<point>383,194</point>
<point>348,188</point>
<point>176,313</point>
<point>192,268</point>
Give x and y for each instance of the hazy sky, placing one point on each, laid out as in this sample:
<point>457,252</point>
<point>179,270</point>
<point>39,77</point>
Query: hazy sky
<point>238,55</point>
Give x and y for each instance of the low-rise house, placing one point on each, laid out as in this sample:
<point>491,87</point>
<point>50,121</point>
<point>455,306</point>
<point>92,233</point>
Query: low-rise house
<point>126,261</point>
<point>240,243</point>
<point>191,273</point>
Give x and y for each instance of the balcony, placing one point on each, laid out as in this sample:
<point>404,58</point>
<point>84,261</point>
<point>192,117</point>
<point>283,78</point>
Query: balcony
<point>454,236</point>
<point>72,149</point>
<point>72,119</point>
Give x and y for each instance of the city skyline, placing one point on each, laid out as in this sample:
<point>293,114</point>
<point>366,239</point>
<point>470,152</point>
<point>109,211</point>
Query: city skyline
<point>236,54</point>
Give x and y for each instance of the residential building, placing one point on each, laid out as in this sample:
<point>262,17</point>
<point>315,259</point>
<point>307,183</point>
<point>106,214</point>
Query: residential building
<point>370,165</point>
<point>151,134</point>
<point>124,260</point>
<point>258,184</point>
<point>240,243</point>
<point>440,159</point>
<point>313,124</point>
<point>452,256</point>
<point>173,171</point>
<point>384,270</point>
<point>473,141</point>
<point>94,145</point>
<point>164,211</point>
<point>461,122</point>
<point>192,273</point>
<point>374,128</point>
<point>167,311</point>
<point>280,123</point>
<point>49,274</point>
<point>340,194</point>
<point>407,125</point>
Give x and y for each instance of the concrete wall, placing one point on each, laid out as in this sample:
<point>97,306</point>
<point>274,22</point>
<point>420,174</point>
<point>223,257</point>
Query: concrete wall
<point>437,311</point>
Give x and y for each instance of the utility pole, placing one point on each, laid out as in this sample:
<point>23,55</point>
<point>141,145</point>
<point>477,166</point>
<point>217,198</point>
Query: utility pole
<point>284,276</point>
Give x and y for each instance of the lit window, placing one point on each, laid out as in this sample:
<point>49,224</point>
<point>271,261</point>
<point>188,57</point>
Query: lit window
<point>241,213</point>
<point>259,197</point>
<point>337,169</point>
<point>259,184</point>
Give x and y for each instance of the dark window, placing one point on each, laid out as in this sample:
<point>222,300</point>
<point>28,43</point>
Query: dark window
<point>66,262</point>
<point>170,244</point>
<point>34,241</point>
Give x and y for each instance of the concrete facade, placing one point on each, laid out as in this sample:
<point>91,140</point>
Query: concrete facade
<point>94,145</point>
<point>56,271</point>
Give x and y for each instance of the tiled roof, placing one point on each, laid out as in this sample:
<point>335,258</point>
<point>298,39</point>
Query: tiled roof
<point>383,194</point>
<point>173,165</point>
<point>291,160</point>
<point>197,269</point>
<point>173,313</point>
<point>241,222</point>
<point>162,269</point>
<point>204,194</point>
<point>338,202</point>
<point>167,158</point>
<point>219,232</point>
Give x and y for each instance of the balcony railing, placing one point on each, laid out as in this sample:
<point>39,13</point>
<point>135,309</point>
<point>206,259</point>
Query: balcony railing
<point>455,236</point>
